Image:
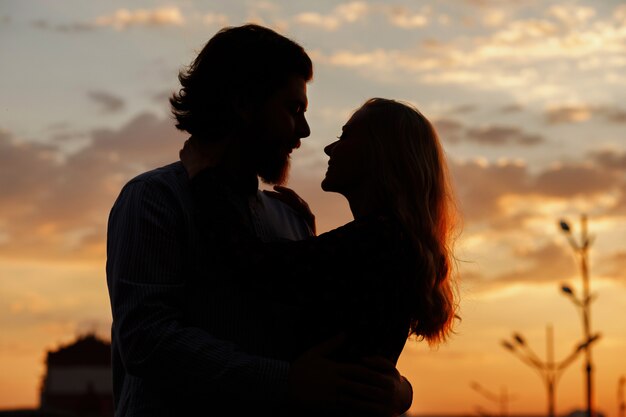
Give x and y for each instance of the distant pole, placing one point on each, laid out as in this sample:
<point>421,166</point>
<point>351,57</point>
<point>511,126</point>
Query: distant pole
<point>581,249</point>
<point>550,370</point>
<point>502,399</point>
<point>551,373</point>
<point>620,396</point>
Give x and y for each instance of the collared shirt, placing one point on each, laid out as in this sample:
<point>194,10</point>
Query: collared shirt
<point>274,220</point>
<point>172,354</point>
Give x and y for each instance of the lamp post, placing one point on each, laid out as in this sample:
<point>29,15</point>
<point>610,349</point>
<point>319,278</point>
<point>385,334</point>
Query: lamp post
<point>502,399</point>
<point>549,370</point>
<point>581,250</point>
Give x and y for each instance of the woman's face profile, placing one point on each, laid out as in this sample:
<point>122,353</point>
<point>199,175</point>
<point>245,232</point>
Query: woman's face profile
<point>348,165</point>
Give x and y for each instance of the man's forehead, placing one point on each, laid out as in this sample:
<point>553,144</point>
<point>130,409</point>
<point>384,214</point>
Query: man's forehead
<point>295,89</point>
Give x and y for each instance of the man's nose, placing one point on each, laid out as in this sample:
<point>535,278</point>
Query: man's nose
<point>303,128</point>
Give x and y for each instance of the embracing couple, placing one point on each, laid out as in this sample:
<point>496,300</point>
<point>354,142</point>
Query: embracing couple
<point>225,302</point>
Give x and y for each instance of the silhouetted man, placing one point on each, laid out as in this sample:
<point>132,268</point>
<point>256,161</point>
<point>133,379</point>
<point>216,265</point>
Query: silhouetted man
<point>175,316</point>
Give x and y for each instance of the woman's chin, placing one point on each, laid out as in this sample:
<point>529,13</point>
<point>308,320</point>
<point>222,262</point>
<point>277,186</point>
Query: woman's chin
<point>327,185</point>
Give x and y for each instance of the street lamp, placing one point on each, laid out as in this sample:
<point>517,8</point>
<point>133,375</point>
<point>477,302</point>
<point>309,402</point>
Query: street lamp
<point>502,399</point>
<point>581,249</point>
<point>549,370</point>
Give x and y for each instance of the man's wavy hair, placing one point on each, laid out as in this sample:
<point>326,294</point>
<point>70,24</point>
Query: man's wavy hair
<point>249,63</point>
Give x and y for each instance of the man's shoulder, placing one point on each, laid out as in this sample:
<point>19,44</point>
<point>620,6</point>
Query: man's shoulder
<point>170,173</point>
<point>168,181</point>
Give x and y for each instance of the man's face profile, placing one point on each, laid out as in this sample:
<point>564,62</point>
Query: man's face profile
<point>279,125</point>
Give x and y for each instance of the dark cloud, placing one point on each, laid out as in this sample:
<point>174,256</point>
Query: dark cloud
<point>581,113</point>
<point>502,135</point>
<point>449,130</point>
<point>454,131</point>
<point>482,188</point>
<point>609,159</point>
<point>614,115</point>
<point>108,102</point>
<point>547,263</point>
<point>24,169</point>
<point>55,206</point>
<point>575,180</point>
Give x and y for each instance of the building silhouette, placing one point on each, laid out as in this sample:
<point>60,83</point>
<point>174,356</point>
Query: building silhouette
<point>78,379</point>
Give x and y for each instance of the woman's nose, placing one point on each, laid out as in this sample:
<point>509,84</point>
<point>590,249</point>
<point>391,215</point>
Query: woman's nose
<point>328,149</point>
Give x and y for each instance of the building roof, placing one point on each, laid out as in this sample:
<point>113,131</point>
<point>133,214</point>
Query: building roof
<point>87,350</point>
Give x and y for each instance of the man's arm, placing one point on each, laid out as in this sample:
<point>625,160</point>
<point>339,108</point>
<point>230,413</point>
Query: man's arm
<point>146,271</point>
<point>321,385</point>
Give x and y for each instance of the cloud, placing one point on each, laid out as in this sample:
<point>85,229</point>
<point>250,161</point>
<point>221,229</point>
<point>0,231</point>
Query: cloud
<point>120,20</point>
<point>571,15</point>
<point>609,159</point>
<point>494,192</point>
<point>357,11</point>
<point>124,18</point>
<point>464,109</point>
<point>453,131</point>
<point>480,187</point>
<point>613,115</point>
<point>575,180</point>
<point>547,263</point>
<point>449,130</point>
<point>57,207</point>
<point>530,57</point>
<point>343,13</point>
<point>352,11</point>
<point>403,18</point>
<point>568,114</point>
<point>62,27</point>
<point>494,17</point>
<point>614,162</point>
<point>502,135</point>
<point>329,23</point>
<point>108,102</point>
<point>575,113</point>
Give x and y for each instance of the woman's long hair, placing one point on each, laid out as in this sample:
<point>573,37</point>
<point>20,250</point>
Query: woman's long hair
<point>413,182</point>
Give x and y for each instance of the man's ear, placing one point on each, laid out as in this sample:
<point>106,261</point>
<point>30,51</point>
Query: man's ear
<point>245,107</point>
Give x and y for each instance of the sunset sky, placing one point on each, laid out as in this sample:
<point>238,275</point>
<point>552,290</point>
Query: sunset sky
<point>528,96</point>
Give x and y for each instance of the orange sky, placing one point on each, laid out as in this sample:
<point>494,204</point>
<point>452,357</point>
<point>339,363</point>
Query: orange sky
<point>527,96</point>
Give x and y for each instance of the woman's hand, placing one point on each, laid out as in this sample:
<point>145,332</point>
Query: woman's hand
<point>196,156</point>
<point>289,197</point>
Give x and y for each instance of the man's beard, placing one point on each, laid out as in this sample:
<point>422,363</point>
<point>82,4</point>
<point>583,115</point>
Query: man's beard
<point>274,170</point>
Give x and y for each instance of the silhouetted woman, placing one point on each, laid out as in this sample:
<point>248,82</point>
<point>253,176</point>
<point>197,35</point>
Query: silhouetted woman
<point>381,278</point>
